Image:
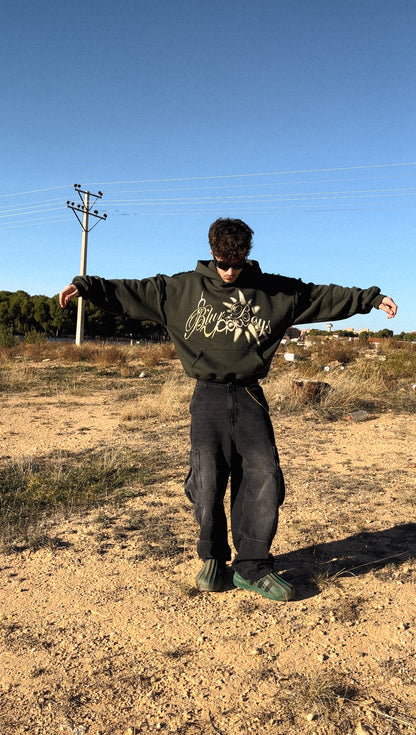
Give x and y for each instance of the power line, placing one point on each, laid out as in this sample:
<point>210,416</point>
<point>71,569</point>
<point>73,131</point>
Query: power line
<point>31,222</point>
<point>207,195</point>
<point>249,207</point>
<point>249,185</point>
<point>31,211</point>
<point>266,173</point>
<point>222,176</point>
<point>301,202</point>
<point>268,210</point>
<point>35,191</point>
<point>37,203</point>
<point>293,196</point>
<point>397,191</point>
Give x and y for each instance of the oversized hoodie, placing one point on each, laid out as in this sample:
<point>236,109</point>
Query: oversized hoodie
<point>226,332</point>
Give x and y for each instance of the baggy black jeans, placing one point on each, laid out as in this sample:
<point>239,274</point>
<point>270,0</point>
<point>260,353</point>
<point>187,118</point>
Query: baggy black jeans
<point>232,435</point>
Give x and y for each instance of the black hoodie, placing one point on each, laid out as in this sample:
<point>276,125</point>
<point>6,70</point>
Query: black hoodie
<point>224,331</point>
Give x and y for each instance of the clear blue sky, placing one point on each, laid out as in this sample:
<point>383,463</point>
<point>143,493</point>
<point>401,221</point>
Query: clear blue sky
<point>292,115</point>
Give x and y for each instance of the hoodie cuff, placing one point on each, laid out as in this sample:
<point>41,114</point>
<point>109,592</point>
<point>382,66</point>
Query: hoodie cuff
<point>78,282</point>
<point>377,300</point>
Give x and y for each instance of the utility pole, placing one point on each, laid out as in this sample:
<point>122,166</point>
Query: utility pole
<point>85,209</point>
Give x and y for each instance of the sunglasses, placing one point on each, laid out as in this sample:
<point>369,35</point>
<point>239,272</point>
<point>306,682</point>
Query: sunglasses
<point>224,266</point>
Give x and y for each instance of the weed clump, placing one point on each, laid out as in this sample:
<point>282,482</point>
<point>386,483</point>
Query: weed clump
<point>322,695</point>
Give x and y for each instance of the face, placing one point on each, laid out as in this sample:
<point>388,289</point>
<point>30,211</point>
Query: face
<point>229,272</point>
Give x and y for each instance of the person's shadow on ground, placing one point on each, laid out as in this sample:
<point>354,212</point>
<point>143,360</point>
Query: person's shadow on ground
<point>353,556</point>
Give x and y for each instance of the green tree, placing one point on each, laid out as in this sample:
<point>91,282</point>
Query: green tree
<point>98,322</point>
<point>21,312</point>
<point>384,333</point>
<point>63,321</point>
<point>41,312</point>
<point>403,336</point>
<point>6,320</point>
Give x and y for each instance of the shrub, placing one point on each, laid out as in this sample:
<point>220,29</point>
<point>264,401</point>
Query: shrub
<point>328,351</point>
<point>34,338</point>
<point>7,338</point>
<point>154,354</point>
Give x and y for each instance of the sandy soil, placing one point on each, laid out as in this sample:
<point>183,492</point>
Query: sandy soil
<point>102,629</point>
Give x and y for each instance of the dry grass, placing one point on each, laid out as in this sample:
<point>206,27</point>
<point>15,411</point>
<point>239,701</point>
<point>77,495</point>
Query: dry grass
<point>64,365</point>
<point>358,378</point>
<point>371,380</point>
<point>95,353</point>
<point>152,355</point>
<point>31,488</point>
<point>332,701</point>
<point>321,692</point>
<point>170,403</point>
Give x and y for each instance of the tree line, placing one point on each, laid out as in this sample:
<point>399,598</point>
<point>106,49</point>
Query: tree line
<point>22,314</point>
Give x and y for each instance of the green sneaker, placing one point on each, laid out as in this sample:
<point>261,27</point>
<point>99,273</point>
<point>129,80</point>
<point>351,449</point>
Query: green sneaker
<point>271,586</point>
<point>210,577</point>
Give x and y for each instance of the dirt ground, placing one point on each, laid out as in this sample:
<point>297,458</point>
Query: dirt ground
<point>102,629</point>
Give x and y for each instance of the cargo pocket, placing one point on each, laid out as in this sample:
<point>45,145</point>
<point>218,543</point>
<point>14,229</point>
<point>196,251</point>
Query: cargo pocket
<point>280,478</point>
<point>192,479</point>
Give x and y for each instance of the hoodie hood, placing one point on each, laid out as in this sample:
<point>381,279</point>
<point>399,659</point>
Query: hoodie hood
<point>249,276</point>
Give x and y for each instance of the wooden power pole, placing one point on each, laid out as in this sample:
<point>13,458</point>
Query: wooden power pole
<point>85,209</point>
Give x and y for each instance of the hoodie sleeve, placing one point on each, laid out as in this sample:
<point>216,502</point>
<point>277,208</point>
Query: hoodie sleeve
<point>315,303</point>
<point>140,300</point>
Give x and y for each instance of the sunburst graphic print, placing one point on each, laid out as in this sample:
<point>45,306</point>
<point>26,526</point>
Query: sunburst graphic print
<point>241,318</point>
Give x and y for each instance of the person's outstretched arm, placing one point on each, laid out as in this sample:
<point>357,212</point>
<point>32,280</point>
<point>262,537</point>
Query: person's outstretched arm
<point>138,299</point>
<point>318,303</point>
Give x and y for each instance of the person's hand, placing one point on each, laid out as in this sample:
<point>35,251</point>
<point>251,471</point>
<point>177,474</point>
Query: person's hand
<point>70,292</point>
<point>389,307</point>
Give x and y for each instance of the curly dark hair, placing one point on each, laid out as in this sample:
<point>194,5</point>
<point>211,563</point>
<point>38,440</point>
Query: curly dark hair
<point>230,239</point>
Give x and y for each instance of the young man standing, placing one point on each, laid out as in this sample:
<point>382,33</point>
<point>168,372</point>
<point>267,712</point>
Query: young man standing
<point>226,319</point>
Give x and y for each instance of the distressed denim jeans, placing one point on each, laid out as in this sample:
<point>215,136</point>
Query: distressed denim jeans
<point>232,436</point>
